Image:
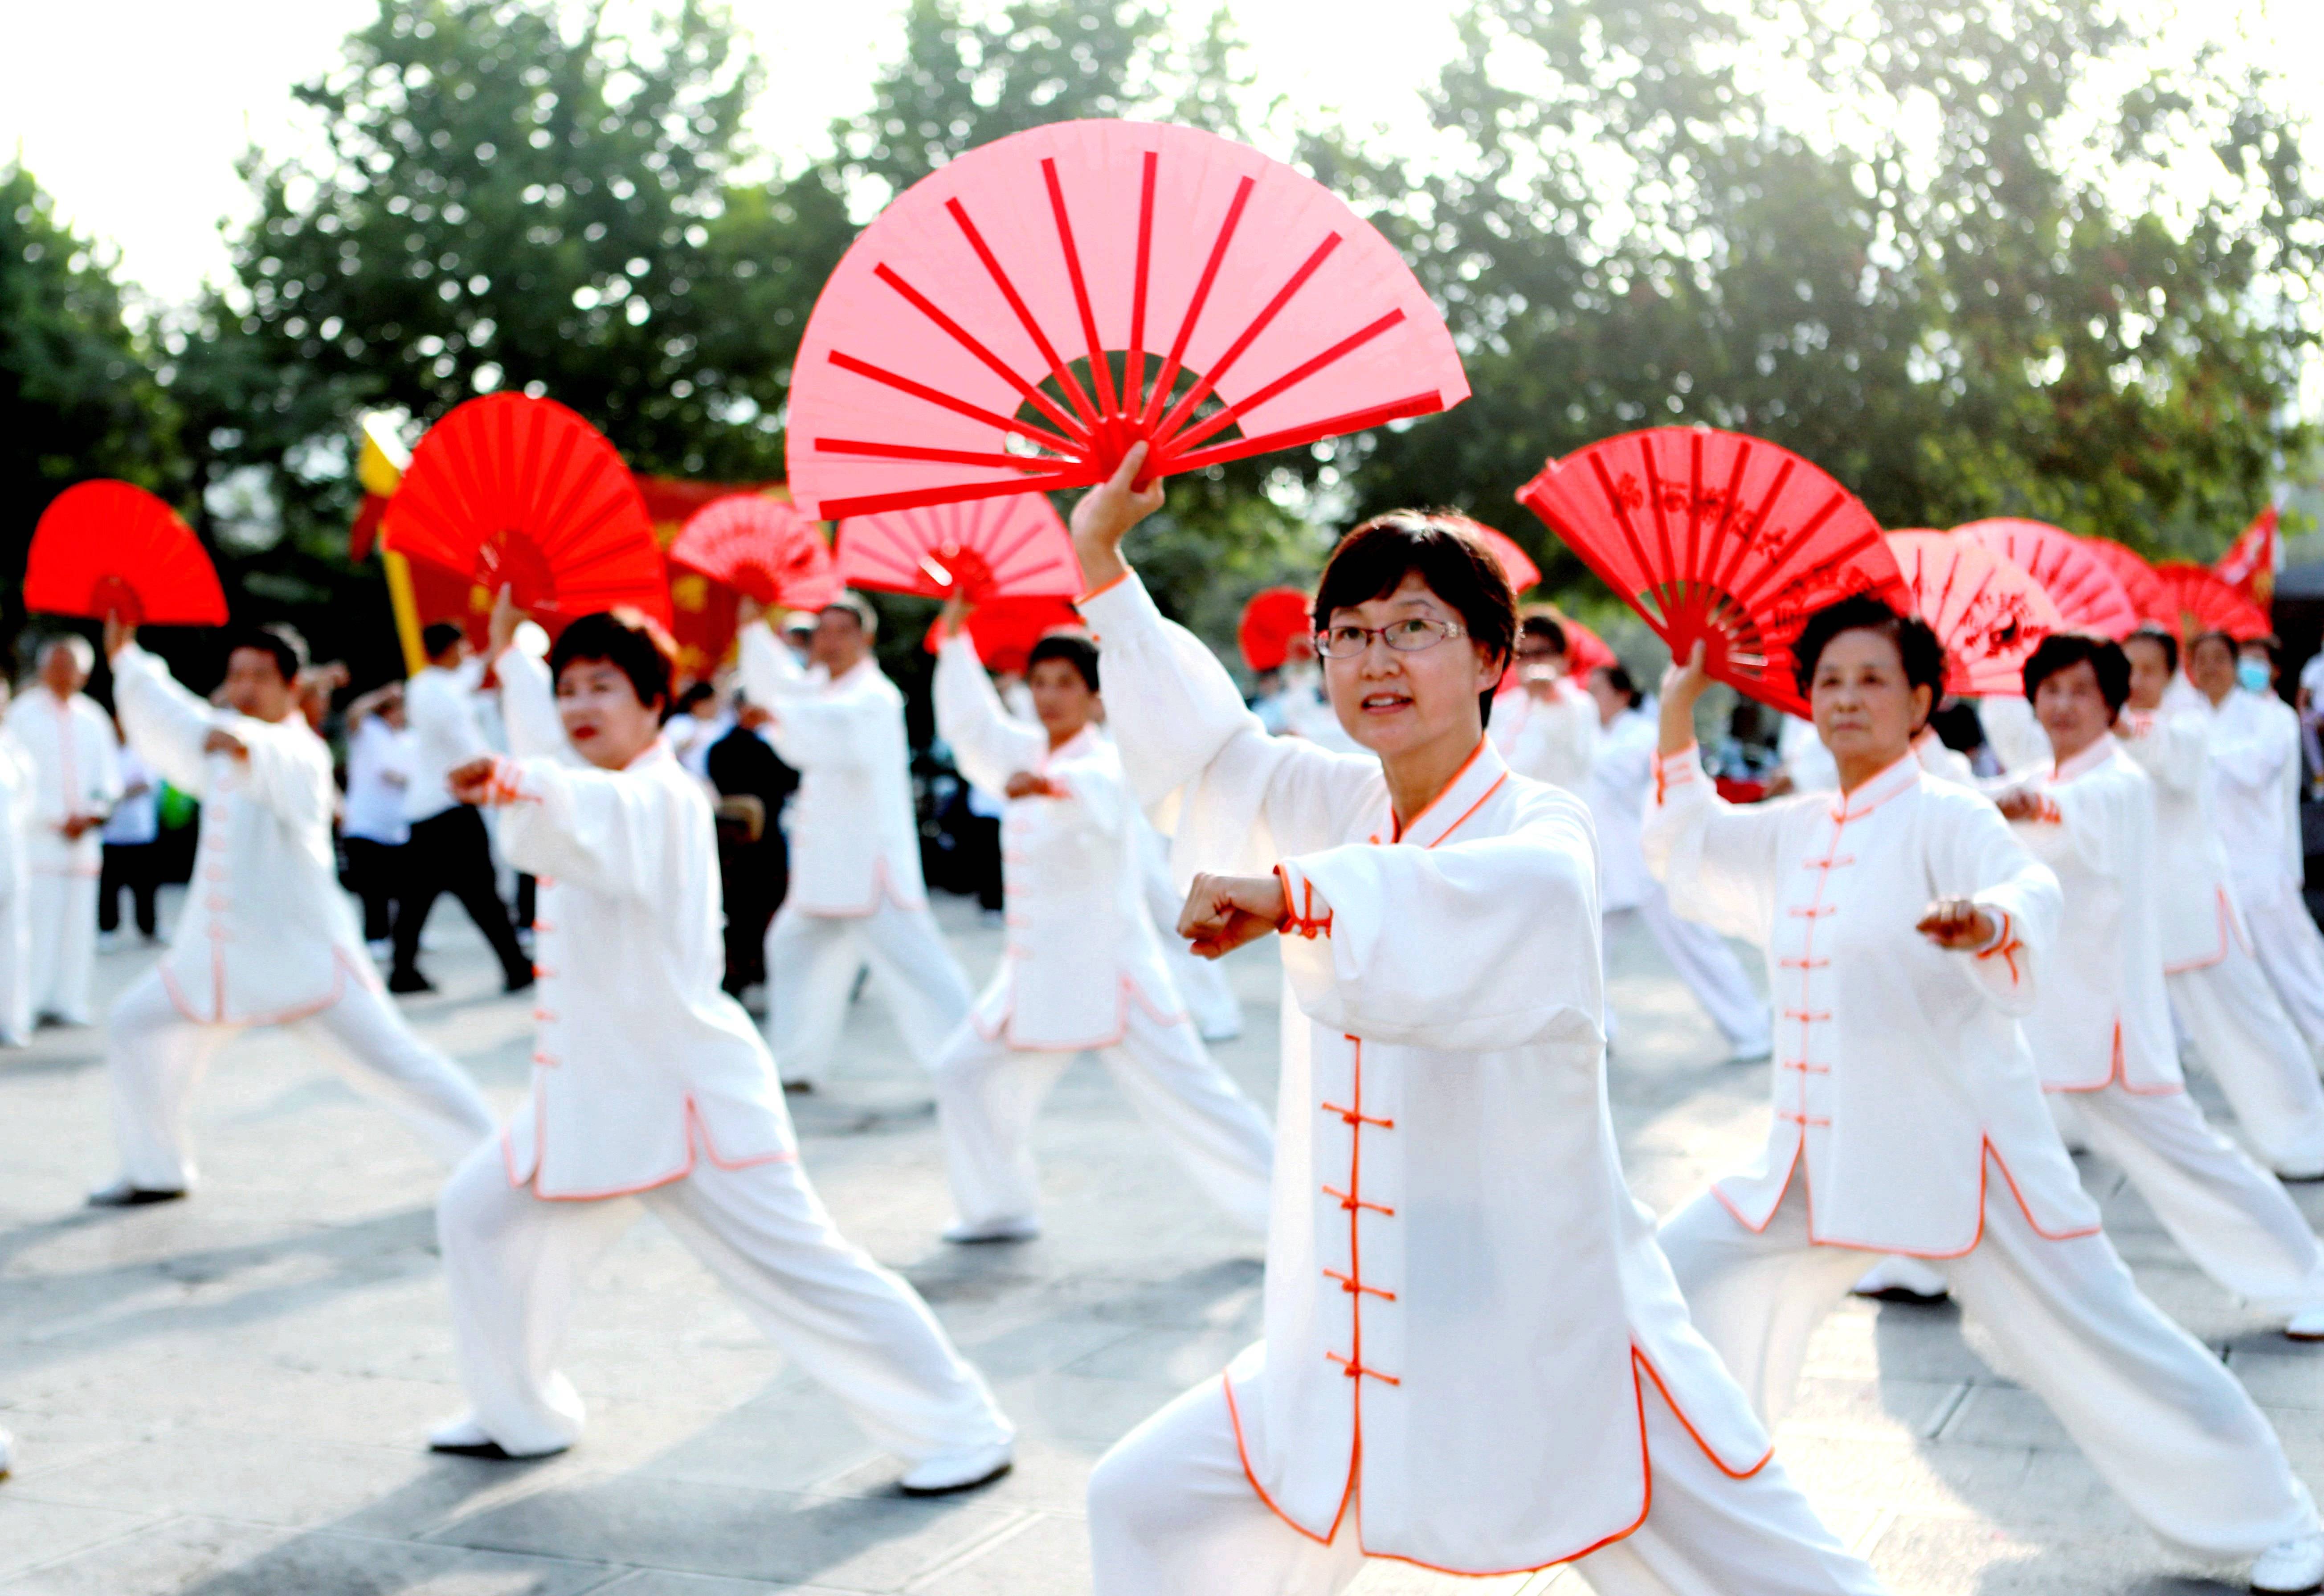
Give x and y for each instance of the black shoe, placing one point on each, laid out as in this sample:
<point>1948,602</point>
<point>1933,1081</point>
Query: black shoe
<point>489,1452</point>
<point>407,982</point>
<point>517,983</point>
<point>122,1195</point>
<point>799,1088</point>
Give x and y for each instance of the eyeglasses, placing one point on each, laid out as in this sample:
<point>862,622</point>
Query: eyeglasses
<point>1405,637</point>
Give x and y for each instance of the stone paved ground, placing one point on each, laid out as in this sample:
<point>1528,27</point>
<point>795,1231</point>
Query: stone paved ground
<point>229,1396</point>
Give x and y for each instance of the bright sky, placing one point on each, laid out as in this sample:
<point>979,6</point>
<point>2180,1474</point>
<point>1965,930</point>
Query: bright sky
<point>132,113</point>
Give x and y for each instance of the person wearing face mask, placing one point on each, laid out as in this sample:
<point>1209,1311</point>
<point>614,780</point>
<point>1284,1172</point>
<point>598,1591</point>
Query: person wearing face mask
<point>856,892</point>
<point>2255,746</point>
<point>2102,1032</point>
<point>1907,931</point>
<point>266,935</point>
<point>1474,1359</point>
<point>650,1081</point>
<point>2218,990</point>
<point>1083,970</point>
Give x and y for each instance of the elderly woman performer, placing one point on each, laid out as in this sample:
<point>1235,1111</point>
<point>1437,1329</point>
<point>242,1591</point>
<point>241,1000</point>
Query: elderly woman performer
<point>1475,1359</point>
<point>1905,928</point>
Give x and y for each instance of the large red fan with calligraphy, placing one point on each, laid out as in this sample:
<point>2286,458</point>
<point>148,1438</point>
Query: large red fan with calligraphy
<point>1021,317</point>
<point>762,546</point>
<point>990,548</point>
<point>1717,538</point>
<point>2148,595</point>
<point>1271,618</point>
<point>2089,596</point>
<point>2202,601</point>
<point>508,490</point>
<point>1003,631</point>
<point>111,546</point>
<point>1989,613</point>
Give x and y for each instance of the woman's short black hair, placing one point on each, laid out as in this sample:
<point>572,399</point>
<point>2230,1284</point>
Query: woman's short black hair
<point>1544,629</point>
<point>283,643</point>
<point>2160,636</point>
<point>1072,647</point>
<point>1618,676</point>
<point>2226,639</point>
<point>1916,645</point>
<point>1373,560</point>
<point>626,639</point>
<point>2062,650</point>
<point>438,635</point>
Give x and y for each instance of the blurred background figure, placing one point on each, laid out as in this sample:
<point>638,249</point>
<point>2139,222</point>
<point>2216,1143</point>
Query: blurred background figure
<point>133,853</point>
<point>753,785</point>
<point>374,830</point>
<point>77,768</point>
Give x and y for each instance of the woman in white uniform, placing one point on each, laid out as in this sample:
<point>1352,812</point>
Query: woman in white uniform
<point>1474,1357</point>
<point>1907,931</point>
<point>650,1081</point>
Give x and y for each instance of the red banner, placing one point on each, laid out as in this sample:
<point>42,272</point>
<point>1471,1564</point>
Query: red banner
<point>2250,563</point>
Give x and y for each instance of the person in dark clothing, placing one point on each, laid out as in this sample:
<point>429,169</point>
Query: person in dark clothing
<point>755,869</point>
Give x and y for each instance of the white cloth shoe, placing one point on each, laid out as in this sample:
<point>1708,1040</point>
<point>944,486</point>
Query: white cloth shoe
<point>2306,1324</point>
<point>958,1471</point>
<point>7,1453</point>
<point>1024,1229</point>
<point>2290,1568</point>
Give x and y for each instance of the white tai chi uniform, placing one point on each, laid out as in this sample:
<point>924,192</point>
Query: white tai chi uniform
<point>1474,1357</point>
<point>1202,983</point>
<point>1304,709</point>
<point>856,885</point>
<point>1083,972</point>
<point>77,764</point>
<point>1909,1118</point>
<point>266,937</point>
<point>2220,993</point>
<point>648,1080</point>
<point>2101,1037</point>
<point>2256,770</point>
<point>1806,760</point>
<point>1616,794</point>
<point>18,785</point>
<point>1556,742</point>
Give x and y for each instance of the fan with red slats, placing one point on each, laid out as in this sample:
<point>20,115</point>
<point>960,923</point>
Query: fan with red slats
<point>1004,630</point>
<point>109,547</point>
<point>1516,564</point>
<point>2084,586</point>
<point>2148,595</point>
<point>1989,613</point>
<point>1585,650</point>
<point>1271,618</point>
<point>516,491</point>
<point>1717,538</point>
<point>1020,317</point>
<point>2202,601</point>
<point>762,546</point>
<point>990,548</point>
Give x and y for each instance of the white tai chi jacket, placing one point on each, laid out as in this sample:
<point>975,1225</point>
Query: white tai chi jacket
<point>2195,898</point>
<point>18,782</point>
<point>2103,1017</point>
<point>1898,1065</point>
<point>1462,1299</point>
<point>1081,947</point>
<point>854,839</point>
<point>1301,704</point>
<point>641,1062</point>
<point>266,934</point>
<point>77,766</point>
<point>439,714</point>
<point>1553,741</point>
<point>1616,794</point>
<point>2255,742</point>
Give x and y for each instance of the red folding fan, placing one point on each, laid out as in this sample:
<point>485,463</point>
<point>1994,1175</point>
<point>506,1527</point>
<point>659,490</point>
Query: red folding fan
<point>1271,618</point>
<point>1004,630</point>
<point>2089,596</point>
<point>512,490</point>
<point>1989,613</point>
<point>1717,538</point>
<point>2148,595</point>
<point>762,546</point>
<point>1585,650</point>
<point>1516,564</point>
<point>106,546</point>
<point>1022,316</point>
<point>2202,601</point>
<point>992,548</point>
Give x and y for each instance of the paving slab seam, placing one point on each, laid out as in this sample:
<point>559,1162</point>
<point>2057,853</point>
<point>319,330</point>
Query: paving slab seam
<point>1008,1529</point>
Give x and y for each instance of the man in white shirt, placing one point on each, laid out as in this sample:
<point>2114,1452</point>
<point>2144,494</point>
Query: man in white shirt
<point>132,834</point>
<point>856,890</point>
<point>77,765</point>
<point>373,828</point>
<point>448,850</point>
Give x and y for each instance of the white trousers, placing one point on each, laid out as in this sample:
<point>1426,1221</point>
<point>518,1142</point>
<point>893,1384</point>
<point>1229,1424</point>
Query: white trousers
<point>2259,1059</point>
<point>2230,1216</point>
<point>62,915</point>
<point>513,1262</point>
<point>1204,988</point>
<point>812,961</point>
<point>1171,1513</point>
<point>1711,972</point>
<point>988,1094</point>
<point>15,968</point>
<point>2292,951</point>
<point>2159,1418</point>
<point>154,1055</point>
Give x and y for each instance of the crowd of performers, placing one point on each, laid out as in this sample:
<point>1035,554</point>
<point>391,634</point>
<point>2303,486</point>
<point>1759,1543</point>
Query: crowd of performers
<point>1480,1353</point>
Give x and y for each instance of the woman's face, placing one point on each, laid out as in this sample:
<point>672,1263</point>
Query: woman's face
<point>608,725</point>
<point>1865,709</point>
<point>1395,701</point>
